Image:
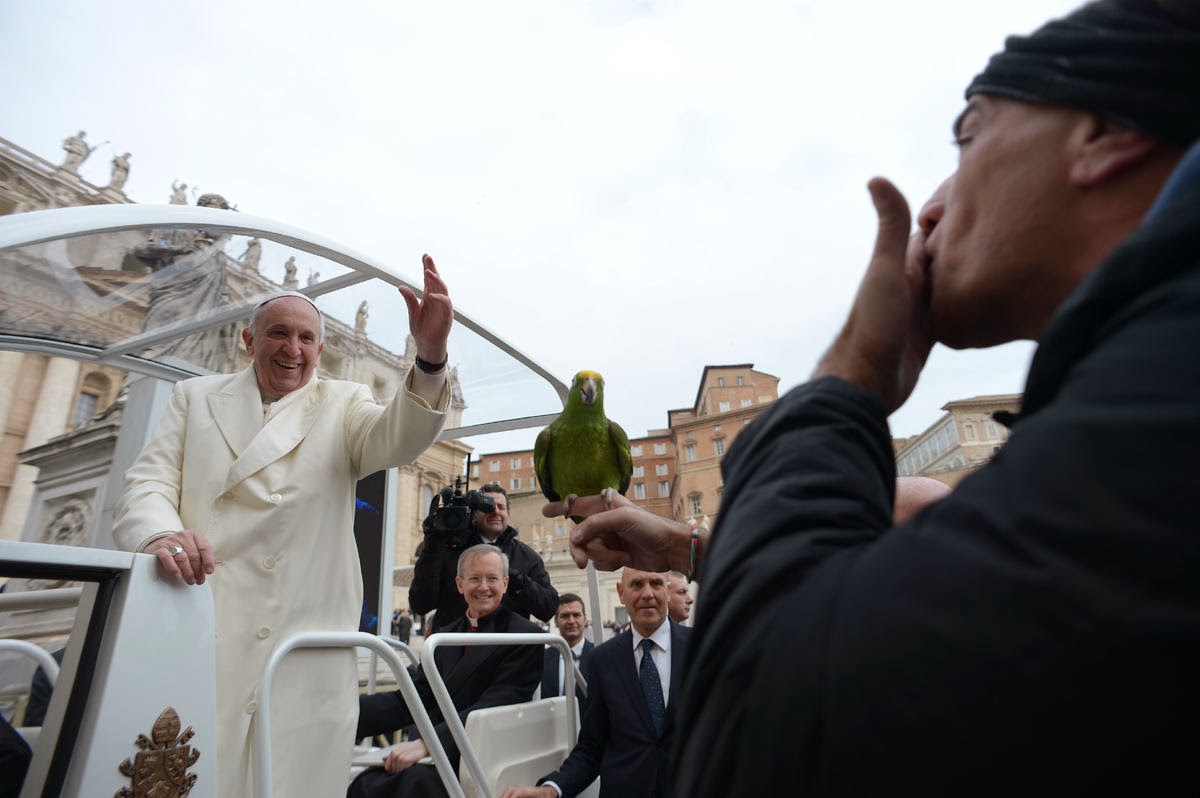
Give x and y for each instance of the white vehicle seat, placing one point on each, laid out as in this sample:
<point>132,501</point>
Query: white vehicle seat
<point>518,744</point>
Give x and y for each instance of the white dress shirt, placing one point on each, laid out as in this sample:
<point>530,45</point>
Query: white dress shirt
<point>661,654</point>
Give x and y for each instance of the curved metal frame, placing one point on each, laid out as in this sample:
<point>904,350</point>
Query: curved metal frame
<point>41,599</point>
<point>446,703</point>
<point>37,227</point>
<point>35,653</point>
<point>262,723</point>
<point>400,646</point>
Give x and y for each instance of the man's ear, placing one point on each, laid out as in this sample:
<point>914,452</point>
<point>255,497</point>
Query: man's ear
<point>249,339</point>
<point>1105,149</point>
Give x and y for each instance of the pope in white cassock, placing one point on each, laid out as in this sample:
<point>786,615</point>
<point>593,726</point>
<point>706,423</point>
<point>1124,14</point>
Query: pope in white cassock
<point>257,470</point>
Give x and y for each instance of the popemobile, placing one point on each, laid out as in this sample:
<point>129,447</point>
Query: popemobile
<point>144,296</point>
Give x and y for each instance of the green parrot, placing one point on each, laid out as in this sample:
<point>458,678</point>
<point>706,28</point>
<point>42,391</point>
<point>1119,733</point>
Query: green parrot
<point>582,453</point>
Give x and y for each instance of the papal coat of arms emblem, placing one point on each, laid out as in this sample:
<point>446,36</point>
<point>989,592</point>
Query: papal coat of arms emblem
<point>160,771</point>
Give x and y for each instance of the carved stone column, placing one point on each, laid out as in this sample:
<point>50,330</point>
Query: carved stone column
<point>55,400</point>
<point>10,368</point>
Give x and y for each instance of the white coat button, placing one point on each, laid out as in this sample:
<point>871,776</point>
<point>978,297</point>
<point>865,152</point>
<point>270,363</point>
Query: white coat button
<point>264,632</point>
<point>268,563</point>
<point>275,497</point>
<point>251,707</point>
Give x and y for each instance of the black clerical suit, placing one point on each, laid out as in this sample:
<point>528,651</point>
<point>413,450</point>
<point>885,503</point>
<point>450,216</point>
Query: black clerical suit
<point>476,677</point>
<point>551,686</point>
<point>617,739</point>
<point>1037,632</point>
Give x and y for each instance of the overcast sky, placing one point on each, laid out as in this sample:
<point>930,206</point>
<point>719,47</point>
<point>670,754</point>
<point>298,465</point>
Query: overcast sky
<point>639,188</point>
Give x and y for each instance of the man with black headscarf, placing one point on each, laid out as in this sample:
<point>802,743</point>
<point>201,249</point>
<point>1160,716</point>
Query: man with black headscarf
<point>1037,632</point>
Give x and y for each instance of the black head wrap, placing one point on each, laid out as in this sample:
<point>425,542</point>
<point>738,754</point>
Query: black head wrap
<point>1134,62</point>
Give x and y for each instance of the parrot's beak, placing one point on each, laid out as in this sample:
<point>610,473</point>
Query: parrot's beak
<point>587,391</point>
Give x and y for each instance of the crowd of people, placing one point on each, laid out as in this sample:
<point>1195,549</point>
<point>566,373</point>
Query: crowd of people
<point>1035,630</point>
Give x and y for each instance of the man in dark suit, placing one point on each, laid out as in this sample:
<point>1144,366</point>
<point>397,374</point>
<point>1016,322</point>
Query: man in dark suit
<point>476,677</point>
<point>629,724</point>
<point>571,620</point>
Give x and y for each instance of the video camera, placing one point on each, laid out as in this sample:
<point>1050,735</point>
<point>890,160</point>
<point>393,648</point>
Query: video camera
<point>449,517</point>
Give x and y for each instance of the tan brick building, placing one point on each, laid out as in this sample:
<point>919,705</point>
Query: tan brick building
<point>729,398</point>
<point>961,441</point>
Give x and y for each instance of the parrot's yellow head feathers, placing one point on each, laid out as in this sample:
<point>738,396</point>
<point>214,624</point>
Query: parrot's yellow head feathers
<point>587,387</point>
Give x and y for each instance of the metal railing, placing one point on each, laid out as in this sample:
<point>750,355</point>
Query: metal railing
<point>400,646</point>
<point>262,724</point>
<point>446,703</point>
<point>36,653</point>
<point>40,599</point>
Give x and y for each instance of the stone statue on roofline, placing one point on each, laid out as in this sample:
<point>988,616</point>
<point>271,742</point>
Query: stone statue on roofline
<point>120,172</point>
<point>77,151</point>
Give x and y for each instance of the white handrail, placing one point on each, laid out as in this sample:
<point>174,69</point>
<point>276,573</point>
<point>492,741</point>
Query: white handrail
<point>262,731</point>
<point>446,703</point>
<point>36,653</point>
<point>40,599</point>
<point>400,646</point>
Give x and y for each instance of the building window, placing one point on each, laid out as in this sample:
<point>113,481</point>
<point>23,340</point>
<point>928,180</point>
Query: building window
<point>639,471</point>
<point>660,448</point>
<point>719,446</point>
<point>475,471</point>
<point>660,470</point>
<point>991,430</point>
<point>85,408</point>
<point>516,483</point>
<point>639,490</point>
<point>716,427</point>
<point>695,499</point>
<point>746,403</point>
<point>720,382</point>
<point>741,381</point>
<point>689,452</point>
<point>560,529</point>
<point>636,451</point>
<point>723,407</point>
<point>516,462</point>
<point>970,430</point>
<point>494,466</point>
<point>664,489</point>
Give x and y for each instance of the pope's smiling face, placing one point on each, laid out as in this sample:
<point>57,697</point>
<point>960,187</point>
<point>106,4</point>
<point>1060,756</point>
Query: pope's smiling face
<point>285,344</point>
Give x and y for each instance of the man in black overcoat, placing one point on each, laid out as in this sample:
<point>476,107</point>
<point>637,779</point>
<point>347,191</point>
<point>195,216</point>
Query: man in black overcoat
<point>1037,632</point>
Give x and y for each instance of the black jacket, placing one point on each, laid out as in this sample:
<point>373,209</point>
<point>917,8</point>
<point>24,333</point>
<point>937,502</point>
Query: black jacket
<point>433,588</point>
<point>550,662</point>
<point>1035,633</point>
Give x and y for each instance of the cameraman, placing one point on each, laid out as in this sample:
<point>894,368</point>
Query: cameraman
<point>433,587</point>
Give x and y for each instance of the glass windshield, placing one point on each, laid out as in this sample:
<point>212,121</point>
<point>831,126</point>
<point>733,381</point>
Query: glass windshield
<point>172,301</point>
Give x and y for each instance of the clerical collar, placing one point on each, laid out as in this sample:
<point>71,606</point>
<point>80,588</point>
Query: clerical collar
<point>473,623</point>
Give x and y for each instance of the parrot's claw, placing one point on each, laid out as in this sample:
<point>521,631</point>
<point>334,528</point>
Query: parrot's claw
<point>568,500</point>
<point>607,493</point>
